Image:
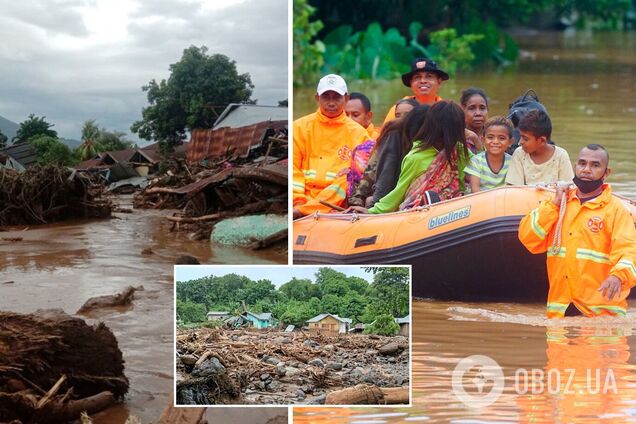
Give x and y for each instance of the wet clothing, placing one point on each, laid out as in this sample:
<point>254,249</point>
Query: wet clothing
<point>322,156</point>
<point>415,163</point>
<point>598,239</point>
<point>523,170</point>
<point>480,168</point>
<point>391,114</point>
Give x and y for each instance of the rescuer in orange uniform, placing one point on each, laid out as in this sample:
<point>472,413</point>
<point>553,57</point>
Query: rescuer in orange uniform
<point>323,142</point>
<point>594,266</point>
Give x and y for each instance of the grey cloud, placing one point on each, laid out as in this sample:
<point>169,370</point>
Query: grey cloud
<point>104,82</point>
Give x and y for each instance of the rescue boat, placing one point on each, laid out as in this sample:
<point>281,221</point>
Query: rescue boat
<point>461,249</point>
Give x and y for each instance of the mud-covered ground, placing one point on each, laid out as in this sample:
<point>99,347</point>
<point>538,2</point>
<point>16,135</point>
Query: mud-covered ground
<point>216,366</point>
<point>62,265</point>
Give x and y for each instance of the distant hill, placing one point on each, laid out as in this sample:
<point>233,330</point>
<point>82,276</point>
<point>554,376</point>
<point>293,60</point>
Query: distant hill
<point>8,128</point>
<point>70,142</point>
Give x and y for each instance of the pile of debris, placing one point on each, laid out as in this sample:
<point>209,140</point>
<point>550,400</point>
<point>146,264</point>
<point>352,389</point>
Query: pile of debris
<point>49,193</point>
<point>230,186</point>
<point>216,366</point>
<point>54,366</point>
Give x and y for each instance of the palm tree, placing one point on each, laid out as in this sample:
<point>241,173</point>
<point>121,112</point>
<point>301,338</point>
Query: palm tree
<point>90,146</point>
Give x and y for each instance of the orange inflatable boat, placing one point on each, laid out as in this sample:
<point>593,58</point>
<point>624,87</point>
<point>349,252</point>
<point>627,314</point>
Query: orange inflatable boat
<point>461,249</point>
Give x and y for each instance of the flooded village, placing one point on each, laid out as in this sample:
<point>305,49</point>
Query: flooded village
<point>290,346</point>
<point>93,247</point>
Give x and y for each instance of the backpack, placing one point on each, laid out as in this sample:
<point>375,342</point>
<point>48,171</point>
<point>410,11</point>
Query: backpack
<point>517,110</point>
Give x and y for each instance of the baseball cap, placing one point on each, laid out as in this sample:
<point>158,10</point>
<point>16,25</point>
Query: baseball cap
<point>332,82</point>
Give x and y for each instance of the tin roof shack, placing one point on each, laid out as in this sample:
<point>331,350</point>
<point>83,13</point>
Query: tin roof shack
<point>329,323</point>
<point>124,164</point>
<point>218,315</point>
<point>263,320</point>
<point>23,153</point>
<point>237,133</point>
<point>405,324</point>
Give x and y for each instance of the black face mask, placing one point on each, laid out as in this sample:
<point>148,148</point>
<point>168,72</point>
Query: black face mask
<point>587,186</point>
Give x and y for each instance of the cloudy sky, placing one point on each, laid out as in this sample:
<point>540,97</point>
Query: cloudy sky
<point>73,60</point>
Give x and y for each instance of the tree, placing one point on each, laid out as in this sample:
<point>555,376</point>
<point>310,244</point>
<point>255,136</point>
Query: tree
<point>113,140</point>
<point>3,140</point>
<point>32,127</point>
<point>189,312</point>
<point>90,146</point>
<point>383,325</point>
<point>51,150</point>
<point>198,84</point>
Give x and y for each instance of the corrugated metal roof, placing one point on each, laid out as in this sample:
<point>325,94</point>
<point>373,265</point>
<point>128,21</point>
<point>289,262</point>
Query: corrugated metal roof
<point>238,115</point>
<point>24,153</point>
<point>404,320</point>
<point>320,317</point>
<point>265,316</point>
<point>213,143</point>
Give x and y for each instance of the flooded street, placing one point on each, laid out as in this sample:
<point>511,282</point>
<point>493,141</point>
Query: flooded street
<point>62,265</point>
<point>575,370</point>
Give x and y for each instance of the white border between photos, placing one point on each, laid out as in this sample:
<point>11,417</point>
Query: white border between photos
<point>289,407</point>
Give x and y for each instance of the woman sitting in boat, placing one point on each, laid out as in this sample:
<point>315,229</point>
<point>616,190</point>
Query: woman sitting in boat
<point>435,164</point>
<point>394,143</point>
<point>475,105</point>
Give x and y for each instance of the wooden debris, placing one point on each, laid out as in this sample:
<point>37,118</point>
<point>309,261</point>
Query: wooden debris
<point>366,394</point>
<point>81,365</point>
<point>50,193</point>
<point>108,301</point>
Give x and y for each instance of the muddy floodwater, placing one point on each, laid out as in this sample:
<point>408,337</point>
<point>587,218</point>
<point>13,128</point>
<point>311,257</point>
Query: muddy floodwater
<point>62,265</point>
<point>575,370</point>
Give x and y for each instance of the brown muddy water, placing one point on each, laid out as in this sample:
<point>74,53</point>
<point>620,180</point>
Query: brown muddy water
<point>62,265</point>
<point>575,370</point>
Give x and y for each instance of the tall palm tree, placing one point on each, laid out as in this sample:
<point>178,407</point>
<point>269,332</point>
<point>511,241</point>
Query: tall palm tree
<point>90,146</point>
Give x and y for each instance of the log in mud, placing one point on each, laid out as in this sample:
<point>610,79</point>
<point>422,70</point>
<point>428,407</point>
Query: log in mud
<point>54,366</point>
<point>220,366</point>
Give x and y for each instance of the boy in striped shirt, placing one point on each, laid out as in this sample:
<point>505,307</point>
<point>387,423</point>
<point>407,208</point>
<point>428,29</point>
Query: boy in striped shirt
<point>488,169</point>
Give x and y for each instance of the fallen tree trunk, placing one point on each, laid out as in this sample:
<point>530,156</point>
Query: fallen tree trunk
<point>366,394</point>
<point>108,301</point>
<point>54,366</point>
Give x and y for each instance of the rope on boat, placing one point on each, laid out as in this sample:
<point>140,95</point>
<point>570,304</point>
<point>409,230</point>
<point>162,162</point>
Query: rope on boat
<point>556,242</point>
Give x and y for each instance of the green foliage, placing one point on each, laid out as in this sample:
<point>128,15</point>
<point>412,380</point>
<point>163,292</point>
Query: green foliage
<point>3,140</point>
<point>299,300</point>
<point>383,325</point>
<point>374,54</point>
<point>97,140</point>
<point>32,127</point>
<point>51,150</point>
<point>198,84</point>
<point>189,312</point>
<point>308,54</point>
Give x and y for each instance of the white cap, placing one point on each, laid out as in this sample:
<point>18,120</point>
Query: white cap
<point>332,82</point>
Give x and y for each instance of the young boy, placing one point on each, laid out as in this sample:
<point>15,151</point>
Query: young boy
<point>488,169</point>
<point>537,161</point>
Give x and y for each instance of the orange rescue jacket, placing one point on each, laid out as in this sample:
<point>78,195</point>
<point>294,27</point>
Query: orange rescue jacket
<point>391,114</point>
<point>322,156</point>
<point>598,239</point>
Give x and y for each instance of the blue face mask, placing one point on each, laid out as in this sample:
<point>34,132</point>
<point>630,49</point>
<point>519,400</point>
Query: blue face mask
<point>587,186</point>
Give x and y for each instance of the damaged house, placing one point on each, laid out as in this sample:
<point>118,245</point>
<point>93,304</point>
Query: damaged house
<point>329,323</point>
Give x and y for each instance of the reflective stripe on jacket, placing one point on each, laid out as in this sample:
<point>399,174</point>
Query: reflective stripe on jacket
<point>322,156</point>
<point>598,239</point>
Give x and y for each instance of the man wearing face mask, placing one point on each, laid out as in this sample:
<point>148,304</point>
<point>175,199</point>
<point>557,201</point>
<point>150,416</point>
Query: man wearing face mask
<point>593,269</point>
